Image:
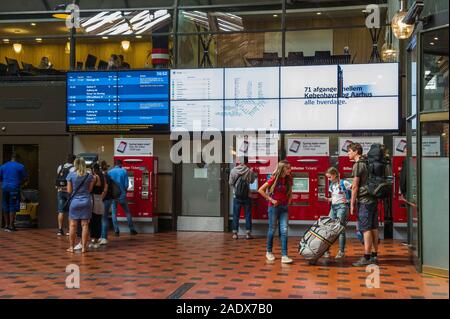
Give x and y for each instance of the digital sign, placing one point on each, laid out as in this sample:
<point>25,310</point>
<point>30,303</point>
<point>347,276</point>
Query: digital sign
<point>118,101</point>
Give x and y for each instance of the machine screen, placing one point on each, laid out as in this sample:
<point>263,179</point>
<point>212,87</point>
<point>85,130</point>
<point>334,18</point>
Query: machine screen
<point>300,185</point>
<point>254,186</point>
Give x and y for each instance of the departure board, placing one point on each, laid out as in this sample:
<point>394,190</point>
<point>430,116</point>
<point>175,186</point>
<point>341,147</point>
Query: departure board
<point>118,101</point>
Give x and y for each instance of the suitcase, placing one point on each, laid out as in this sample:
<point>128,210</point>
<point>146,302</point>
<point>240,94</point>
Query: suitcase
<point>319,237</point>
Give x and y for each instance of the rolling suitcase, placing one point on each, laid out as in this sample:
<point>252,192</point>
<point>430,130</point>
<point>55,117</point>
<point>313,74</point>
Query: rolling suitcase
<point>319,237</point>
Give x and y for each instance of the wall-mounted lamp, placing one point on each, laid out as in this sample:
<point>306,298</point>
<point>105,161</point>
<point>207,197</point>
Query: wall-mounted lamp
<point>125,45</point>
<point>67,48</point>
<point>401,30</point>
<point>17,47</point>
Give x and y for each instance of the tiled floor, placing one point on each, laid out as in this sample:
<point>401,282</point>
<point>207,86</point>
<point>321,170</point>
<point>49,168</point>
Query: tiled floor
<point>198,265</point>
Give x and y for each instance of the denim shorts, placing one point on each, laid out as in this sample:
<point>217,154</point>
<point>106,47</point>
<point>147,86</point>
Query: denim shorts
<point>11,201</point>
<point>367,217</point>
<point>62,198</point>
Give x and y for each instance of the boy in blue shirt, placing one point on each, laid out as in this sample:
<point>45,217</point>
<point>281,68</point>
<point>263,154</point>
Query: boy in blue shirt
<point>12,175</point>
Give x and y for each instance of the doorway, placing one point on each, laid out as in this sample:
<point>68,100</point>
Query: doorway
<point>28,155</point>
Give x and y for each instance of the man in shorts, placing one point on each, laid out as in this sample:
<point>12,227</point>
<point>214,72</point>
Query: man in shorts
<point>12,175</point>
<point>364,205</point>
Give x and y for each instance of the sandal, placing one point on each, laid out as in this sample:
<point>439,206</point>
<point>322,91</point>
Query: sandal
<point>235,236</point>
<point>70,250</point>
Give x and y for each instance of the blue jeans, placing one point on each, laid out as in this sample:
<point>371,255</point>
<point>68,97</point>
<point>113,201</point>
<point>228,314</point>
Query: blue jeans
<point>123,203</point>
<point>237,204</point>
<point>280,214</point>
<point>340,211</point>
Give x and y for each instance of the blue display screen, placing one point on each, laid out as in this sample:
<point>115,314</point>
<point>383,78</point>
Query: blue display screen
<point>117,100</point>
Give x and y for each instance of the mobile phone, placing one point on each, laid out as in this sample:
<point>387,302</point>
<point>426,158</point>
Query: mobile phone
<point>244,147</point>
<point>346,145</point>
<point>294,146</point>
<point>122,146</point>
<point>401,146</point>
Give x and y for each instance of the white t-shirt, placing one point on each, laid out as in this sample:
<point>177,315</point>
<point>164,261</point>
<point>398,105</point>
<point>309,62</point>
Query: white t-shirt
<point>338,194</point>
<point>60,167</point>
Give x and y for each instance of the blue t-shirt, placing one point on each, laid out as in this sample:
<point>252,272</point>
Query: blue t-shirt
<point>76,181</point>
<point>120,176</point>
<point>12,174</point>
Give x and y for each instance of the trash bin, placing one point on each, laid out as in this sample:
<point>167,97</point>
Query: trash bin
<point>29,202</point>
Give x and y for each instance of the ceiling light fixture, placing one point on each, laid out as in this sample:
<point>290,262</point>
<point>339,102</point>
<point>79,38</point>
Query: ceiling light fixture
<point>33,24</point>
<point>38,39</point>
<point>61,12</point>
<point>401,30</point>
<point>125,45</point>
<point>17,47</point>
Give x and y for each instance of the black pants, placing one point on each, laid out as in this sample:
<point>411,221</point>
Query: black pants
<point>96,226</point>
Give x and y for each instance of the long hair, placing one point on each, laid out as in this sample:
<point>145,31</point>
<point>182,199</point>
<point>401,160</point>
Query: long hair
<point>281,167</point>
<point>80,166</point>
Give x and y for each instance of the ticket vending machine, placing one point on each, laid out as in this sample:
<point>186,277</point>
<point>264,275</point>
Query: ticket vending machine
<point>345,166</point>
<point>399,207</point>
<point>142,191</point>
<point>309,159</point>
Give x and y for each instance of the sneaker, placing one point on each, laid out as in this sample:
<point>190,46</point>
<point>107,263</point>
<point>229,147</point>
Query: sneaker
<point>133,232</point>
<point>95,246</point>
<point>270,256</point>
<point>103,241</point>
<point>362,262</point>
<point>340,255</point>
<point>78,247</point>
<point>8,230</point>
<point>248,236</point>
<point>60,233</point>
<point>286,260</point>
<point>235,236</point>
<point>13,228</point>
<point>374,260</point>
<point>326,254</point>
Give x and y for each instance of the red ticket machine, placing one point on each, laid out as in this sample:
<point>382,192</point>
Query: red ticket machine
<point>309,159</point>
<point>399,207</point>
<point>142,186</point>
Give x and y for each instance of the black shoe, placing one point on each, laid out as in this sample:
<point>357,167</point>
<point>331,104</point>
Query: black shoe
<point>8,230</point>
<point>60,232</point>
<point>362,262</point>
<point>133,232</point>
<point>374,260</point>
<point>13,228</point>
<point>117,234</point>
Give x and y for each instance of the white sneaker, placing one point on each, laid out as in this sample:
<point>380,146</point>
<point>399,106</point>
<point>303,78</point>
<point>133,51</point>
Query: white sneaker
<point>103,241</point>
<point>286,260</point>
<point>326,254</point>
<point>340,254</point>
<point>78,247</point>
<point>270,256</point>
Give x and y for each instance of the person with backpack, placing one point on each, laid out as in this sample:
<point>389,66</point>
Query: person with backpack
<point>340,191</point>
<point>240,179</point>
<point>62,195</point>
<point>364,204</point>
<point>119,175</point>
<point>279,196</point>
<point>98,192</point>
<point>12,175</point>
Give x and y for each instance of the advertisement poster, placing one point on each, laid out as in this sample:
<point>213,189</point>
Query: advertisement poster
<point>431,146</point>
<point>308,147</point>
<point>133,147</point>
<point>248,145</point>
<point>365,142</point>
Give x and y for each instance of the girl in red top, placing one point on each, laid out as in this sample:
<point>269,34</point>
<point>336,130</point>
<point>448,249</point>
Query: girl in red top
<point>279,194</point>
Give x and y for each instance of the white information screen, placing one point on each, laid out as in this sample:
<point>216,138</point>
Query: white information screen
<point>244,115</point>
<point>374,113</point>
<point>196,84</point>
<point>309,115</point>
<point>252,83</point>
<point>206,114</point>
<point>318,81</point>
<point>370,80</point>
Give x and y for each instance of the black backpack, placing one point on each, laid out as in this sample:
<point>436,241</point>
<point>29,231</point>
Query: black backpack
<point>378,184</point>
<point>62,175</point>
<point>241,188</point>
<point>114,191</point>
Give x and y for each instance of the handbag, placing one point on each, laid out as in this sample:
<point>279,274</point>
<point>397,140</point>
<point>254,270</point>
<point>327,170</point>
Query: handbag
<point>67,204</point>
